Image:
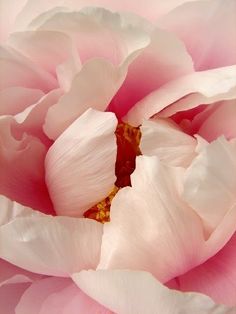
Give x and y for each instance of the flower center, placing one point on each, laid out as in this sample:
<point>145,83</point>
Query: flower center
<point>128,140</point>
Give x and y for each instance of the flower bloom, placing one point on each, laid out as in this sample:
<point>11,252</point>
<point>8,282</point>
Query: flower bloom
<point>118,157</point>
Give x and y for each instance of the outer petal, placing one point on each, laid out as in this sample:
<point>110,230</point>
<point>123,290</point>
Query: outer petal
<point>168,142</point>
<point>92,87</point>
<point>150,224</point>
<point>46,48</point>
<point>213,24</point>
<point>22,167</point>
<point>15,99</point>
<point>150,9</point>
<point>50,245</point>
<point>216,277</point>
<point>209,188</point>
<point>99,33</point>
<point>26,73</point>
<point>80,166</point>
<point>138,292</point>
<point>187,92</point>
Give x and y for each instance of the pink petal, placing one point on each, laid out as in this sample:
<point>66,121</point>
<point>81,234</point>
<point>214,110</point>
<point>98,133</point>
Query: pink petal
<point>80,165</point>
<point>26,73</point>
<point>216,277</point>
<point>98,33</point>
<point>10,296</point>
<point>213,24</point>
<point>92,87</point>
<point>164,139</point>
<point>163,60</point>
<point>50,245</point>
<point>130,292</point>
<point>22,167</point>
<point>32,119</point>
<point>187,92</point>
<point>221,122</point>
<point>151,9</point>
<point>150,224</point>
<point>15,99</point>
<point>10,274</point>
<point>209,189</point>
<point>71,300</point>
<point>33,298</point>
<point>46,48</point>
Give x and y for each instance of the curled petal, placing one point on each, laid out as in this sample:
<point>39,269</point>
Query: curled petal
<point>80,165</point>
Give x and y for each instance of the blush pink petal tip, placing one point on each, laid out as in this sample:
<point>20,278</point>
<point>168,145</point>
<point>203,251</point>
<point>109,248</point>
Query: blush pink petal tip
<point>130,292</point>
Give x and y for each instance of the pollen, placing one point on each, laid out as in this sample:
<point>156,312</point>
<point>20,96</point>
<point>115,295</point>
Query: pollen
<point>128,140</point>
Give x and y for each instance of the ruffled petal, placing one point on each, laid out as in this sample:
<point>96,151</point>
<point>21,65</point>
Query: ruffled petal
<point>46,48</point>
<point>185,93</point>
<point>99,33</point>
<point>92,87</point>
<point>26,73</point>
<point>163,60</point>
<point>49,245</point>
<point>80,165</point>
<point>164,139</point>
<point>150,224</point>
<point>22,167</point>
<point>130,292</point>
<point>213,24</point>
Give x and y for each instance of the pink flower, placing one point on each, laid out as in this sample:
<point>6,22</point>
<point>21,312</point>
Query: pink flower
<point>117,157</point>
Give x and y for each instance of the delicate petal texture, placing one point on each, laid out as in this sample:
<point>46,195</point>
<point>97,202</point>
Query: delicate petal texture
<point>32,119</point>
<point>138,292</point>
<point>47,48</point>
<point>221,121</point>
<point>22,168</point>
<point>26,73</point>
<point>80,166</point>
<point>104,80</point>
<point>9,11</point>
<point>50,245</point>
<point>209,188</point>
<point>168,142</point>
<point>10,210</point>
<point>99,33</point>
<point>163,60</point>
<point>150,9</point>
<point>206,27</point>
<point>15,99</point>
<point>150,220</point>
<point>185,93</point>
<point>216,277</point>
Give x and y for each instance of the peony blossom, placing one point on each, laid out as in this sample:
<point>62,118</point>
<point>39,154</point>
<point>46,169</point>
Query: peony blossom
<point>118,157</point>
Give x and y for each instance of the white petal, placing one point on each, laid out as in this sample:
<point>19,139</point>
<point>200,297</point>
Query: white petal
<point>138,292</point>
<point>210,182</point>
<point>150,224</point>
<point>49,245</point>
<point>80,165</point>
<point>168,142</point>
